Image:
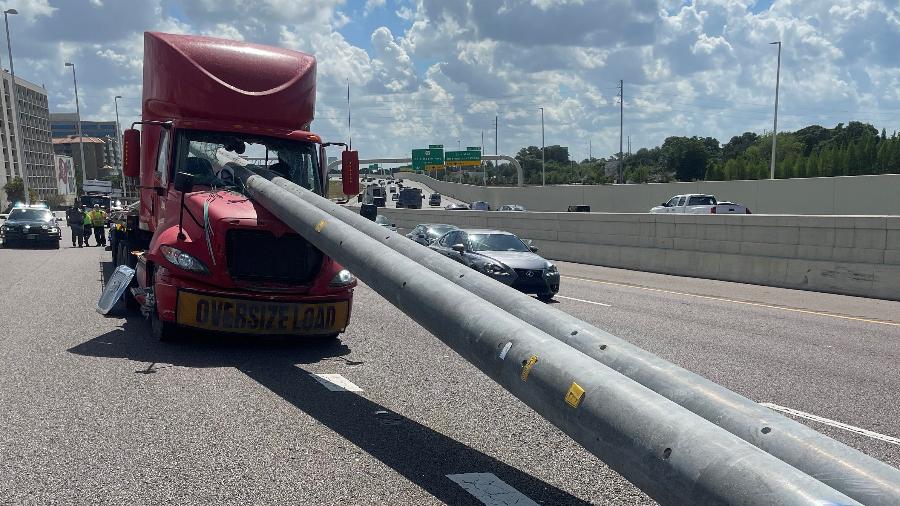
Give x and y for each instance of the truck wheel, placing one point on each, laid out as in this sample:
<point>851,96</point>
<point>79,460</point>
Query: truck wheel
<point>164,331</point>
<point>545,297</point>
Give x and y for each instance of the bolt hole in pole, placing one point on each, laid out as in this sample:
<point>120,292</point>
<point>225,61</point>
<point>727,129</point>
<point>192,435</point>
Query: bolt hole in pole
<point>524,362</point>
<point>666,453</point>
<point>766,430</point>
<point>602,346</point>
<point>574,332</point>
<point>462,275</point>
<point>404,283</point>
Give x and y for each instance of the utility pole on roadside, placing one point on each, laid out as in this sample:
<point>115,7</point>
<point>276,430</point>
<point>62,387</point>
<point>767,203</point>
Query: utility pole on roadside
<point>543,151</point>
<point>775,123</point>
<point>495,141</point>
<point>621,170</point>
<point>349,136</point>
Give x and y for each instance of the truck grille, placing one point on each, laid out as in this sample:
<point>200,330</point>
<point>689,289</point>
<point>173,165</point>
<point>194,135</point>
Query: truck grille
<point>257,255</point>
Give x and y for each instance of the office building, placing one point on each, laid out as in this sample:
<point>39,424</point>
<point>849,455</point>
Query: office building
<point>65,124</point>
<point>36,143</point>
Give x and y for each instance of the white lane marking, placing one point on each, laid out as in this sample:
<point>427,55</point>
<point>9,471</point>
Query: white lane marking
<point>336,383</point>
<point>747,303</point>
<point>833,423</point>
<point>490,490</point>
<point>582,300</point>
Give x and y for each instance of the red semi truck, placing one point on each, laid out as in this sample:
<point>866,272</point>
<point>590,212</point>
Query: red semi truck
<point>205,255</point>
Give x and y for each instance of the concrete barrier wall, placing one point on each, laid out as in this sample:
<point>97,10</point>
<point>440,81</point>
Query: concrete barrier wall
<point>866,195</point>
<point>853,255</point>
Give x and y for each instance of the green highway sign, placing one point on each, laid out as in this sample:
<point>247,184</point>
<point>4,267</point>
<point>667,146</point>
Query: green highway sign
<point>473,148</point>
<point>467,158</point>
<point>435,146</point>
<point>421,158</point>
<point>373,166</point>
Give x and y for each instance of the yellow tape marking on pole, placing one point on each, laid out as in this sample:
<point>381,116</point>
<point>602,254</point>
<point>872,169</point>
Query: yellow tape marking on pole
<point>320,226</point>
<point>526,367</point>
<point>574,395</point>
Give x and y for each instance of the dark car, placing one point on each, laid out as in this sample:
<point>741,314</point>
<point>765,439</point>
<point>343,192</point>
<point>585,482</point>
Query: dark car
<point>580,208</point>
<point>434,200</point>
<point>457,207</point>
<point>30,224</point>
<point>427,233</point>
<point>504,257</point>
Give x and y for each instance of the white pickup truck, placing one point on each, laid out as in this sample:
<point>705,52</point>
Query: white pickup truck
<point>698,203</point>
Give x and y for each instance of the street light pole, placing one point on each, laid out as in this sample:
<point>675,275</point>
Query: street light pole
<point>15,109</point>
<point>80,135</point>
<point>119,145</point>
<point>775,123</point>
<point>543,150</point>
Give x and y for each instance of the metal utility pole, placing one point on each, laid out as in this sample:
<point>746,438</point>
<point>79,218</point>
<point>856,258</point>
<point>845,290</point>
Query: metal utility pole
<point>621,123</point>
<point>775,123</point>
<point>349,136</point>
<point>80,135</point>
<point>119,144</point>
<point>495,147</point>
<point>483,166</point>
<point>17,131</point>
<point>543,152</point>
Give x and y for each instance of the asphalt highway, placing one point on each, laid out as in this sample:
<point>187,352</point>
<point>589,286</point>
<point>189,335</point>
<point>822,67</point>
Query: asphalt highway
<point>94,411</point>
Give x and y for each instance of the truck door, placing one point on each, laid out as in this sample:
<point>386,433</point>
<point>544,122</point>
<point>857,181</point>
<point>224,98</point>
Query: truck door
<point>679,208</point>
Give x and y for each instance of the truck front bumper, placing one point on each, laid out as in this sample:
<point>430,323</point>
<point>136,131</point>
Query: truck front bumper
<point>187,303</point>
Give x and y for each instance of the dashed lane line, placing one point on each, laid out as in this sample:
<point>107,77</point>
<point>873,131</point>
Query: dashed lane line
<point>744,302</point>
<point>336,382</point>
<point>833,423</point>
<point>582,300</point>
<point>491,490</point>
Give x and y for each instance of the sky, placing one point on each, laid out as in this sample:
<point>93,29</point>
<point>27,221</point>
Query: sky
<point>439,71</point>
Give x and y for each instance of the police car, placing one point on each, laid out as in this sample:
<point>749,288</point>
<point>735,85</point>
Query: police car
<point>30,225</point>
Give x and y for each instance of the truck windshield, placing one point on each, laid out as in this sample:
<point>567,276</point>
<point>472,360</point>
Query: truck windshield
<point>204,154</point>
<point>88,201</point>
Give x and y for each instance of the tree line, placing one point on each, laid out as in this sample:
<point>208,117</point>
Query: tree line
<point>814,151</point>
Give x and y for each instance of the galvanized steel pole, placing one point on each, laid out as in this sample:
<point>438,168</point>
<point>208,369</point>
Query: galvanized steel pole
<point>843,468</point>
<point>673,455</point>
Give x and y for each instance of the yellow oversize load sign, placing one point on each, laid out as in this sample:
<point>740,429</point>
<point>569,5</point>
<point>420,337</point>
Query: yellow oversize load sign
<point>260,317</point>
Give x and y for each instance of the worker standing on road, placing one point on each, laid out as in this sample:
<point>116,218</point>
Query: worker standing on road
<point>75,218</point>
<point>86,227</point>
<point>98,223</point>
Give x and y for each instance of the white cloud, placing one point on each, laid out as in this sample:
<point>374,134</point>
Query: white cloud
<point>371,5</point>
<point>698,68</point>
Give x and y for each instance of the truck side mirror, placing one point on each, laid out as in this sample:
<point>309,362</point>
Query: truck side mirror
<point>131,152</point>
<point>350,172</point>
<point>459,248</point>
<point>184,182</point>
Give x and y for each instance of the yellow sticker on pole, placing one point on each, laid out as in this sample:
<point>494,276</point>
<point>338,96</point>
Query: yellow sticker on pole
<point>574,395</point>
<point>320,226</point>
<point>526,367</point>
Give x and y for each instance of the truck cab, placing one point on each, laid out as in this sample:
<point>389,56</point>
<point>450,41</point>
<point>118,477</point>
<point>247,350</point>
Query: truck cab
<point>205,255</point>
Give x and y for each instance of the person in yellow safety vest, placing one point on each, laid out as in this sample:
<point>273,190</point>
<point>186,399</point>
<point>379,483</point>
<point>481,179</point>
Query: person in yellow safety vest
<point>98,222</point>
<point>87,228</point>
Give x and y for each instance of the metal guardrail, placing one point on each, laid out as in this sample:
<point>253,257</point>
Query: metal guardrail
<point>841,467</point>
<point>675,456</point>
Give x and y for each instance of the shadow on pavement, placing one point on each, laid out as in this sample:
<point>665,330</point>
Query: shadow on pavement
<point>422,455</point>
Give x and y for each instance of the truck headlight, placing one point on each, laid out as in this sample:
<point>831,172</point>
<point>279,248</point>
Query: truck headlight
<point>45,227</point>
<point>552,270</point>
<point>342,278</point>
<point>181,259</point>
